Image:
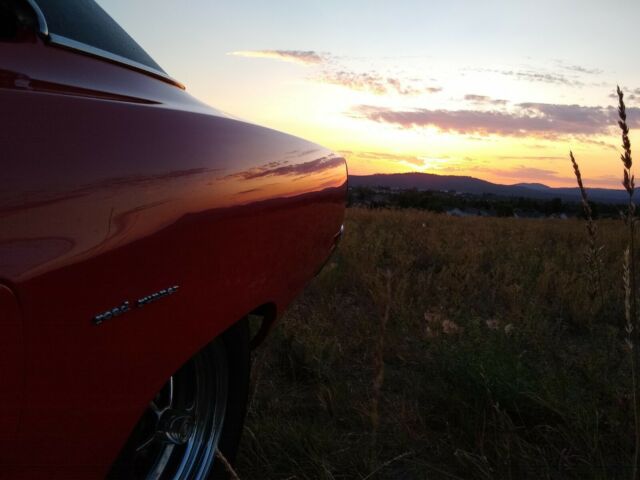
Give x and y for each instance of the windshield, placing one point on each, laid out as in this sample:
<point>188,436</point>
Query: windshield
<point>85,22</point>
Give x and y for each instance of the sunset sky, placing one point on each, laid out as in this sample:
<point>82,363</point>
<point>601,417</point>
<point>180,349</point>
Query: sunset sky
<point>500,90</point>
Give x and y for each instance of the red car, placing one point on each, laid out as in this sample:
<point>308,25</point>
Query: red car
<point>139,228</point>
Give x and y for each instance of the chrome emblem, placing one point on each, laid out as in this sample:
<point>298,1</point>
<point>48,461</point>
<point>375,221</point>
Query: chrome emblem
<point>141,302</point>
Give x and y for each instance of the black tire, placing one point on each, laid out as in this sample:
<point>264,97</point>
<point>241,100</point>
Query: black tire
<point>236,340</point>
<point>202,404</point>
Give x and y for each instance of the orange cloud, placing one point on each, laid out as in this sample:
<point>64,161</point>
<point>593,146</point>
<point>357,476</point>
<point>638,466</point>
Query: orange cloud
<point>374,82</point>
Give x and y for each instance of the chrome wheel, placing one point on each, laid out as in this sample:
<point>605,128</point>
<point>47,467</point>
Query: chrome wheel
<point>178,435</point>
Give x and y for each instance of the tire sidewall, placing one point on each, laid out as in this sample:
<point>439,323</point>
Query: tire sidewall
<point>236,342</point>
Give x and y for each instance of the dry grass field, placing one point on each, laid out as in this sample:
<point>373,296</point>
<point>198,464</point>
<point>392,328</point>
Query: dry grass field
<point>439,347</point>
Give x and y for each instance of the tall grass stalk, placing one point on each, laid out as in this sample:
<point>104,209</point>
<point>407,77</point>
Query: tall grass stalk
<point>593,250</point>
<point>629,329</point>
<point>227,465</point>
<point>629,265</point>
<point>628,181</point>
<point>378,363</point>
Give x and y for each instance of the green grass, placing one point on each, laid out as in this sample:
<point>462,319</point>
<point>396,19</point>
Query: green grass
<point>497,364</point>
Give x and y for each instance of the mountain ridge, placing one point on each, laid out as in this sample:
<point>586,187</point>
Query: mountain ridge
<point>472,185</point>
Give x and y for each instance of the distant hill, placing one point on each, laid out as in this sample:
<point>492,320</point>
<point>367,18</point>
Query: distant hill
<point>463,184</point>
<point>536,186</point>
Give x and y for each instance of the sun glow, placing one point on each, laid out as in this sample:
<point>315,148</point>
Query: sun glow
<point>383,122</point>
<point>399,89</point>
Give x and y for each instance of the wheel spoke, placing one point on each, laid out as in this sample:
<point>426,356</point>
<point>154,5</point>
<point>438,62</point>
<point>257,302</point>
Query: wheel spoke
<point>170,404</point>
<point>146,444</point>
<point>157,406</point>
<point>155,409</point>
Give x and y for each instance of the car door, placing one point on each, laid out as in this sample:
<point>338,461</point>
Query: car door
<point>11,366</point>
<point>92,160</point>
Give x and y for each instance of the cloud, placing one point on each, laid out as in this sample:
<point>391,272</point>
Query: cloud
<point>369,155</point>
<point>530,157</point>
<point>579,68</point>
<point>555,78</point>
<point>633,96</point>
<point>422,162</point>
<point>484,100</point>
<point>599,143</point>
<point>403,89</point>
<point>374,82</point>
<point>526,120</point>
<point>303,57</point>
<point>368,82</point>
<point>528,172</point>
<point>523,173</point>
<point>414,160</point>
<point>609,181</point>
<point>559,73</point>
<point>538,77</point>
